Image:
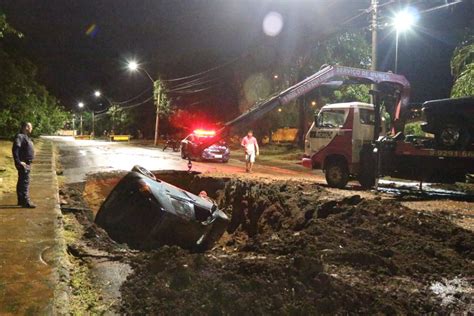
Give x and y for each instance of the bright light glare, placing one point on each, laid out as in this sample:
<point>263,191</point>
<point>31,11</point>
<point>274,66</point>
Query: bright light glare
<point>97,93</point>
<point>204,133</point>
<point>132,65</point>
<point>80,104</point>
<point>272,23</point>
<point>404,20</point>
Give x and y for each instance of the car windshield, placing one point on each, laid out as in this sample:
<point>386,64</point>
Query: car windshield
<point>331,118</point>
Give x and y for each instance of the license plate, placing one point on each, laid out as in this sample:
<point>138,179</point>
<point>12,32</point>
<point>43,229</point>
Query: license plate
<point>217,156</point>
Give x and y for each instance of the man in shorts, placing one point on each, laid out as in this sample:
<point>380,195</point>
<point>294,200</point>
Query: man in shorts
<point>250,145</point>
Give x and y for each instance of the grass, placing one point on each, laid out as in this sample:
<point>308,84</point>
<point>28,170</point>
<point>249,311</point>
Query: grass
<point>85,298</point>
<point>8,173</point>
<point>286,152</point>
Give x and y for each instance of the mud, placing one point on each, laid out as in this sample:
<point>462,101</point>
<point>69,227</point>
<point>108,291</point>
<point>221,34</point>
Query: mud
<point>298,248</point>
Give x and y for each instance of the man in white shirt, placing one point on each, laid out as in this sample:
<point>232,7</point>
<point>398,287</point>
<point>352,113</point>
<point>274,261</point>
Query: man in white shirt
<point>250,145</point>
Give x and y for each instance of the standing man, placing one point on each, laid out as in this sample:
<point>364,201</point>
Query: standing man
<point>23,155</point>
<point>250,145</point>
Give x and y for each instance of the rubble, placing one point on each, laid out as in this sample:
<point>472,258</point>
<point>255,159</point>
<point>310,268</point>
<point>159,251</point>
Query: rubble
<point>298,248</point>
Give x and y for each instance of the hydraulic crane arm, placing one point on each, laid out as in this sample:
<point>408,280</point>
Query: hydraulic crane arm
<point>323,77</point>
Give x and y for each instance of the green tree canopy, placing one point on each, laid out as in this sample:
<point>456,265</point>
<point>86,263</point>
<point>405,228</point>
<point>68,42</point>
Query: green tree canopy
<point>22,98</point>
<point>462,69</point>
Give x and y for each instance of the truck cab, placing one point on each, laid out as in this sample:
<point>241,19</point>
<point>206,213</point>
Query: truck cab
<point>336,141</point>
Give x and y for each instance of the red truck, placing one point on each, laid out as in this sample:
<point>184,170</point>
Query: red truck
<point>344,139</point>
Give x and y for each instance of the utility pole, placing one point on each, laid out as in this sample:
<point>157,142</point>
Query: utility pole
<point>157,99</point>
<point>93,124</point>
<point>374,9</point>
<point>81,125</point>
<point>74,125</point>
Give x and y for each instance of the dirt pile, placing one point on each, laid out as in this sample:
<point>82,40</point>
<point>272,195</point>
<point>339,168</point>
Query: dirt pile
<point>292,248</point>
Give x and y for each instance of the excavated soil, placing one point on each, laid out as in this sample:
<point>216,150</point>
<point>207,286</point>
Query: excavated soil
<point>297,248</point>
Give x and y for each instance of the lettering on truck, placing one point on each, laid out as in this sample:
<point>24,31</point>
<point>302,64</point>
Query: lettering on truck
<point>320,134</point>
<point>450,153</point>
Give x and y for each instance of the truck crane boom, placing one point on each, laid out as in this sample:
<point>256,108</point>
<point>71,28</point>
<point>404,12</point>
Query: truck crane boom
<point>321,78</point>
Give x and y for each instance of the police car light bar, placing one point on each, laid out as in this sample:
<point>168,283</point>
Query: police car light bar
<point>204,133</point>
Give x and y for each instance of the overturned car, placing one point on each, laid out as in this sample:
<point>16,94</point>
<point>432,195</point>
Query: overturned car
<point>146,213</point>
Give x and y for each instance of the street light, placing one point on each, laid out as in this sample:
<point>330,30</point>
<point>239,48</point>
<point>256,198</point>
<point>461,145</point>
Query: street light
<point>402,22</point>
<point>97,94</point>
<point>133,65</point>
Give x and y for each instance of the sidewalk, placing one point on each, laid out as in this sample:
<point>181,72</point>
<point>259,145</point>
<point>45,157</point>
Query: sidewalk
<point>30,244</point>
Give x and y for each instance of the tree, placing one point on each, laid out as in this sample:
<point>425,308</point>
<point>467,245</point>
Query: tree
<point>264,76</point>
<point>22,98</point>
<point>6,28</point>
<point>462,69</point>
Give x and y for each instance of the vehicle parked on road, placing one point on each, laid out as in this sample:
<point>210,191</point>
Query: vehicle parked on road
<point>340,142</point>
<point>195,147</point>
<point>146,213</point>
<point>451,121</point>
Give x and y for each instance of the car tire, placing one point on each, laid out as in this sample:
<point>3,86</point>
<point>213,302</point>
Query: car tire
<point>225,161</point>
<point>337,174</point>
<point>452,136</point>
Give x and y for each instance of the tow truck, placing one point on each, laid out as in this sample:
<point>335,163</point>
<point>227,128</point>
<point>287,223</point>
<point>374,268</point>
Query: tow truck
<point>344,141</point>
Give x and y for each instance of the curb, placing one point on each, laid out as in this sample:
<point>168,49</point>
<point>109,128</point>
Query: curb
<point>61,271</point>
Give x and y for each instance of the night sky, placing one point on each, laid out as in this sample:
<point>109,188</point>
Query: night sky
<point>83,45</point>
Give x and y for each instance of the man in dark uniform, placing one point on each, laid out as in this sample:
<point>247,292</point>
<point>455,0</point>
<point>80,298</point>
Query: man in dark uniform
<point>23,155</point>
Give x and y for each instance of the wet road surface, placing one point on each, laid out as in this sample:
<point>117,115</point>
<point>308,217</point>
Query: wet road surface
<point>81,157</point>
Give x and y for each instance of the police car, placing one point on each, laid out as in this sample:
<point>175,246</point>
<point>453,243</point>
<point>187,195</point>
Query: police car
<point>191,147</point>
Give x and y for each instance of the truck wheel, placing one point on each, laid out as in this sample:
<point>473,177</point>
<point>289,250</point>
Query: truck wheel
<point>367,180</point>
<point>366,175</point>
<point>452,136</point>
<point>337,174</point>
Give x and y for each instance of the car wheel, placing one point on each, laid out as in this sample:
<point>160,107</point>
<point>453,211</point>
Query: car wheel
<point>144,172</point>
<point>452,136</point>
<point>337,174</point>
<point>225,160</point>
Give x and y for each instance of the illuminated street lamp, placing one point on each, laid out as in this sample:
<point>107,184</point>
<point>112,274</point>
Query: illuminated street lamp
<point>402,22</point>
<point>133,65</point>
<point>97,94</point>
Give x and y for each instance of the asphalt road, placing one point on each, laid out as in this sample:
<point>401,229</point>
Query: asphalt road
<point>81,157</point>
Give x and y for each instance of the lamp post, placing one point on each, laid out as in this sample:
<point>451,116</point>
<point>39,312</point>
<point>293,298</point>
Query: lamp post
<point>134,66</point>
<point>402,22</point>
<point>81,105</point>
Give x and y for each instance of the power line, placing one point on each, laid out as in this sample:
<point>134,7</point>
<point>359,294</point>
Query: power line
<point>441,6</point>
<point>205,71</point>
<point>135,105</point>
<point>135,97</point>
